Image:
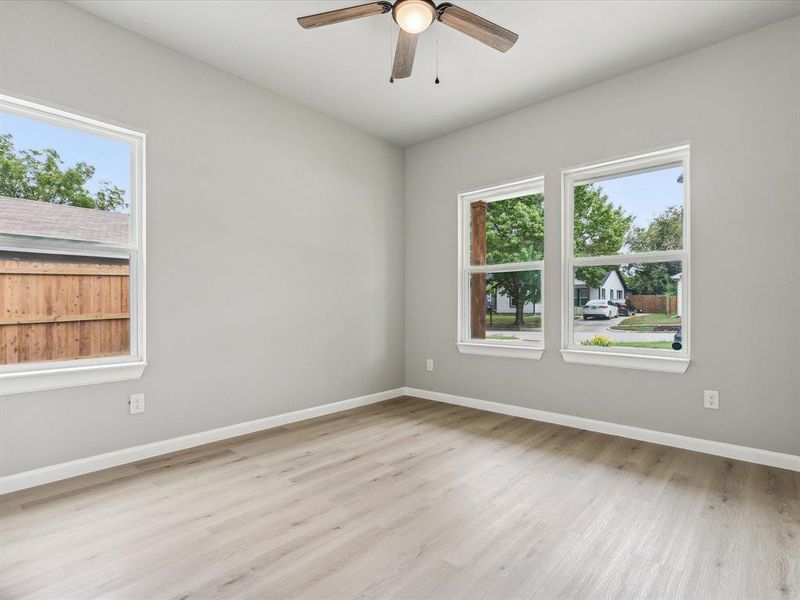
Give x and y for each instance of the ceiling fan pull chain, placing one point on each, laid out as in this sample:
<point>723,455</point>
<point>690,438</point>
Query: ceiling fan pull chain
<point>436,27</point>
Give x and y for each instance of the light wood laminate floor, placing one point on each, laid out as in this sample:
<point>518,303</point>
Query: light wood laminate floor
<point>411,499</point>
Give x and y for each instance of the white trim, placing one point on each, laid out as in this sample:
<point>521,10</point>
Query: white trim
<point>505,191</point>
<point>754,455</point>
<point>501,350</point>
<point>464,341</point>
<point>39,380</point>
<point>628,358</point>
<point>534,265</point>
<point>631,257</point>
<point>90,464</point>
<point>41,375</point>
<point>643,362</point>
<point>648,161</point>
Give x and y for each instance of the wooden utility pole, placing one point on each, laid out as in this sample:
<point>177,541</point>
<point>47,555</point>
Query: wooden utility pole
<point>477,284</point>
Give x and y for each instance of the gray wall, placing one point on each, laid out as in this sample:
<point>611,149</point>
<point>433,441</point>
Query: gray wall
<point>738,103</point>
<point>275,244</point>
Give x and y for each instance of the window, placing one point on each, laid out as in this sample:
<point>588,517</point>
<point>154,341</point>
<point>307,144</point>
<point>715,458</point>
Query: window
<point>627,224</point>
<point>71,249</point>
<point>581,296</point>
<point>501,256</point>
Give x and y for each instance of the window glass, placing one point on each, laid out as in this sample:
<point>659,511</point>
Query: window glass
<point>638,212</point>
<point>514,313</point>
<point>63,307</point>
<point>652,317</point>
<point>513,230</point>
<point>62,183</point>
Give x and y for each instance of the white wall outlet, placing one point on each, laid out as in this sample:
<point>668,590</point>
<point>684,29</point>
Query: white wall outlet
<point>136,403</point>
<point>429,364</point>
<point>711,399</point>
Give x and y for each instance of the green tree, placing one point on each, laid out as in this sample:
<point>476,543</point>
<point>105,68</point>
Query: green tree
<point>515,233</point>
<point>39,175</point>
<point>665,232</point>
<point>600,229</point>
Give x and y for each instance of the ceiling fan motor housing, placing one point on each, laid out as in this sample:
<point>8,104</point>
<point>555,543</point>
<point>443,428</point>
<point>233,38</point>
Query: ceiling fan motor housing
<point>414,16</point>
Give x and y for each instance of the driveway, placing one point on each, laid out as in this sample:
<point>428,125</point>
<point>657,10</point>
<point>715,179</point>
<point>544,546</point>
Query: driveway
<point>585,330</point>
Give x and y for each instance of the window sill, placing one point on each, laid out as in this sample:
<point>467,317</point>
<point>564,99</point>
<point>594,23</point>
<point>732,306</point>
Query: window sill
<point>53,379</point>
<point>664,364</point>
<point>498,350</point>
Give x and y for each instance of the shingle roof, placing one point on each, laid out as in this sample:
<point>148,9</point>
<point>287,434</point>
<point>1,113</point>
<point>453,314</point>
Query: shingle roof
<point>29,217</point>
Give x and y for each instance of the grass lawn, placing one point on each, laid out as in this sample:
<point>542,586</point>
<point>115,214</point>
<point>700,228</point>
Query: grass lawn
<point>657,345</point>
<point>500,336</point>
<point>649,322</point>
<point>508,319</point>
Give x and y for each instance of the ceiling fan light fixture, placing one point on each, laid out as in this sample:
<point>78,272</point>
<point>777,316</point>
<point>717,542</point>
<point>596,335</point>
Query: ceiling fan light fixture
<point>414,16</point>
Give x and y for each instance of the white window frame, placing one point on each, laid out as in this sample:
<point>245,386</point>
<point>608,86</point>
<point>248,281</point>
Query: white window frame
<point>464,341</point>
<point>39,376</point>
<point>631,358</point>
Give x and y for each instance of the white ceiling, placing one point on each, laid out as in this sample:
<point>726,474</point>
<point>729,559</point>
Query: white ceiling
<point>343,70</point>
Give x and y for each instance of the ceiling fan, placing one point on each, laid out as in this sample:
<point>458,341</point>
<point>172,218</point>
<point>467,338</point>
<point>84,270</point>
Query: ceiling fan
<point>414,17</point>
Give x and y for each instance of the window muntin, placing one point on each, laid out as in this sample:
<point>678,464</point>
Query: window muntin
<point>502,254</point>
<point>71,244</point>
<point>636,233</point>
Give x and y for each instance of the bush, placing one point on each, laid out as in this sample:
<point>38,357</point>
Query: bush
<point>598,340</point>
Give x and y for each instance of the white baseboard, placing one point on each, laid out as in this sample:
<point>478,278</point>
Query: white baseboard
<point>753,455</point>
<point>28,479</point>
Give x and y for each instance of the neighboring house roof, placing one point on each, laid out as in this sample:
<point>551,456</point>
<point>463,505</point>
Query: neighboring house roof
<point>677,276</point>
<point>29,217</point>
<point>621,278</point>
<point>578,283</point>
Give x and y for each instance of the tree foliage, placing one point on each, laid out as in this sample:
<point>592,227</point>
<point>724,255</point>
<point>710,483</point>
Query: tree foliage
<point>665,232</point>
<point>40,175</point>
<point>515,233</point>
<point>600,229</point>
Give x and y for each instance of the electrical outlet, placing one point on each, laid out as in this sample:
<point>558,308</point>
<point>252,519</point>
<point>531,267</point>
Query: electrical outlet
<point>136,403</point>
<point>711,399</point>
<point>429,364</point>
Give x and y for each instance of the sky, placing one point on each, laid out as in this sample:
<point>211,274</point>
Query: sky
<point>645,195</point>
<point>111,158</point>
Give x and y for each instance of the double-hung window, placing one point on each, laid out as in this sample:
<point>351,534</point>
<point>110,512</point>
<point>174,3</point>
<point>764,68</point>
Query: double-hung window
<point>626,226</point>
<point>71,249</point>
<point>501,268</point>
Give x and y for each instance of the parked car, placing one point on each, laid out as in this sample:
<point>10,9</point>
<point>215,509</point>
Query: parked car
<point>624,307</point>
<point>677,340</point>
<point>599,309</point>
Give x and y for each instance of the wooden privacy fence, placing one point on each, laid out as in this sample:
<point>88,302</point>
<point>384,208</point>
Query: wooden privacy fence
<point>655,304</point>
<point>57,308</point>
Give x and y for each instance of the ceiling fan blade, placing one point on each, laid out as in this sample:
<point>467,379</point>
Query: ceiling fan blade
<point>404,55</point>
<point>344,14</point>
<point>477,27</point>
